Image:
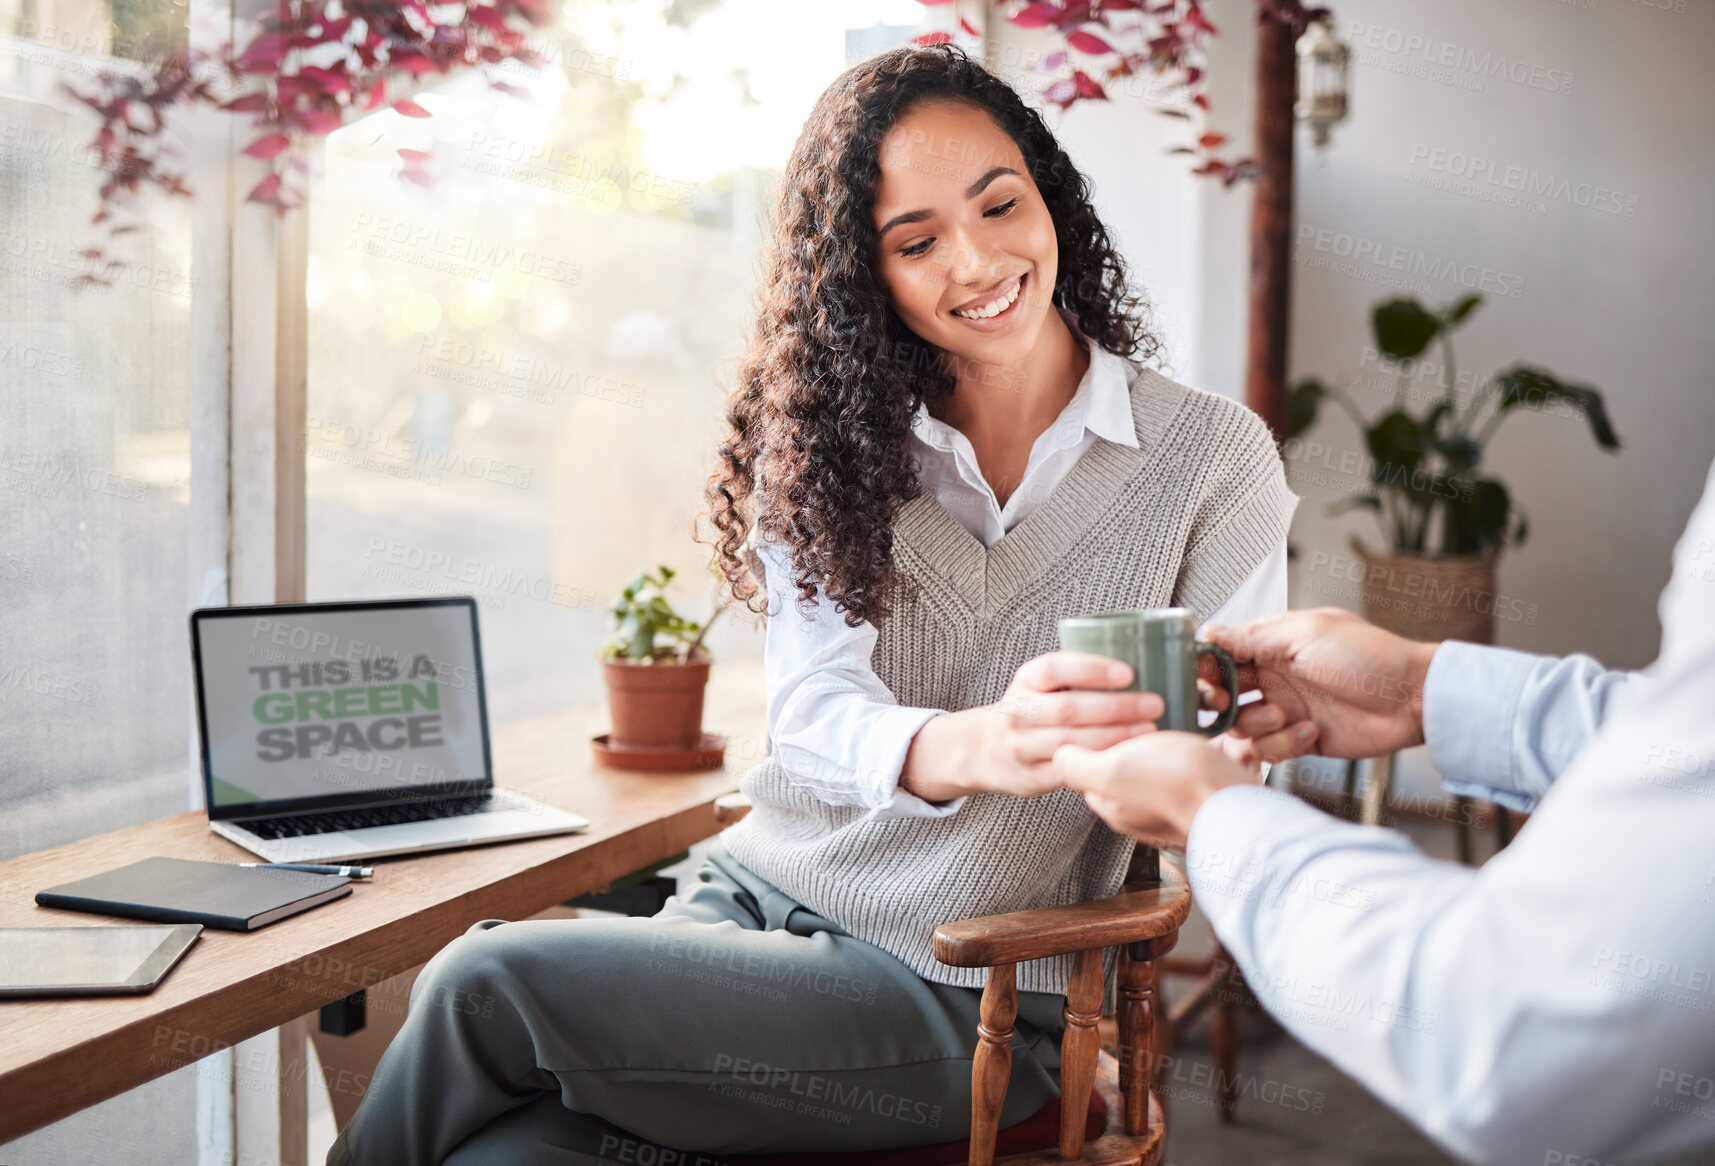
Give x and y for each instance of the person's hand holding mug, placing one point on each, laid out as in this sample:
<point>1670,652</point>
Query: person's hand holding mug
<point>1007,747</point>
<point>1151,786</point>
<point>1332,684</point>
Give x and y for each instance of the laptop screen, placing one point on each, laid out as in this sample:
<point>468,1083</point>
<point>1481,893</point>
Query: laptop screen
<point>333,704</point>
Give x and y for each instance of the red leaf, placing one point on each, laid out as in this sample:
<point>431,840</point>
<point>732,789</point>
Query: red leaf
<point>410,108</point>
<point>421,177</point>
<point>1076,12</point>
<point>377,96</point>
<point>1201,102</point>
<point>319,120</point>
<point>415,157</point>
<point>268,146</point>
<point>249,103</point>
<point>932,38</point>
<point>1087,85</point>
<point>329,81</point>
<point>1061,93</point>
<point>415,64</point>
<point>511,90</point>
<point>264,54</point>
<point>968,27</point>
<point>1210,141</point>
<point>1198,23</point>
<point>1089,42</point>
<point>1036,15</point>
<point>268,190</point>
<point>487,17</point>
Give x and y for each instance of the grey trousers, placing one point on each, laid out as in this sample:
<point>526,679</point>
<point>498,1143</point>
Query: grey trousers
<point>734,1021</point>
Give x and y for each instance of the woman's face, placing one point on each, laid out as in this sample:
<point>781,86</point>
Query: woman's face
<point>967,248</point>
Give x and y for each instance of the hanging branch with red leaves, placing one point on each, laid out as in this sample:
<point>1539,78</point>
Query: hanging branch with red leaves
<point>310,66</point>
<point>1165,38</point>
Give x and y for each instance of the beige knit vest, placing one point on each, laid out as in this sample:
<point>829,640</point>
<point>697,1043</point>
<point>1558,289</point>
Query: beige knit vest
<point>1180,522</point>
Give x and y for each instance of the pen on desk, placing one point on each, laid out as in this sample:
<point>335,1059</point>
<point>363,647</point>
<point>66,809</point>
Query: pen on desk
<point>350,872</point>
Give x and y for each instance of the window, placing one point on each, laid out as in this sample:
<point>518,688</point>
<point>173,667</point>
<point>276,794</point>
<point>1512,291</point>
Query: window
<point>517,366</point>
<point>99,559</point>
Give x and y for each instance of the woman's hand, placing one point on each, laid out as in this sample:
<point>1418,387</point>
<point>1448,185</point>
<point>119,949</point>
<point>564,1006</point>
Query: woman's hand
<point>1008,747</point>
<point>1151,788</point>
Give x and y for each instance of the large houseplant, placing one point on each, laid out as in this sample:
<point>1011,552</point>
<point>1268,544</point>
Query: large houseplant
<point>1444,519</point>
<point>656,668</point>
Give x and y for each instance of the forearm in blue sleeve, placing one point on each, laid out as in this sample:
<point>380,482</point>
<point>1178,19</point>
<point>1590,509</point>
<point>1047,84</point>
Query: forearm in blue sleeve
<point>1502,725</point>
<point>1373,955</point>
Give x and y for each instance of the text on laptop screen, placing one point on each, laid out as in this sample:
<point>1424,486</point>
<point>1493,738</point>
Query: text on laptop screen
<point>303,704</point>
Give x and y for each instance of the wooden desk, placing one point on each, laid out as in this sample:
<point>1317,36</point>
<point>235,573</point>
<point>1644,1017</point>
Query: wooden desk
<point>58,1056</point>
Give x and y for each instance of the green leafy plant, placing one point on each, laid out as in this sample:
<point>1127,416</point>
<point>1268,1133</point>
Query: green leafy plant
<point>1424,468</point>
<point>647,629</point>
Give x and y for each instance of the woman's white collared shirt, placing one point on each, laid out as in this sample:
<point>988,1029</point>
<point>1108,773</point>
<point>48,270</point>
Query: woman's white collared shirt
<point>833,723</point>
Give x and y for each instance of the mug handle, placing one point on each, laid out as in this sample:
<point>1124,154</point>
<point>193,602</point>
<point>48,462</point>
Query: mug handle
<point>1230,679</point>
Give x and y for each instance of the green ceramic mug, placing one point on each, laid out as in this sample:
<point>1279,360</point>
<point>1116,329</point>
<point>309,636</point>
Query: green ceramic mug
<point>1161,645</point>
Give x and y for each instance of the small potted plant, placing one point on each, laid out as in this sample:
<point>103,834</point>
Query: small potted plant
<point>656,669</point>
<point>1445,521</point>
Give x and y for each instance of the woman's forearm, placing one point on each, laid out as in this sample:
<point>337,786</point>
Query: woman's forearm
<point>946,758</point>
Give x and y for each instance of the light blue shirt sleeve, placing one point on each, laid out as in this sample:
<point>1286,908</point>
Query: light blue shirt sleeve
<point>1501,725</point>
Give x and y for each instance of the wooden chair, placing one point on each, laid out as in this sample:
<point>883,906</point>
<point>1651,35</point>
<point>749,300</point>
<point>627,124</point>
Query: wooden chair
<point>1143,922</point>
<point>1107,1114</point>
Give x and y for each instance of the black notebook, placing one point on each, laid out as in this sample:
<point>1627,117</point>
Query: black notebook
<point>215,894</point>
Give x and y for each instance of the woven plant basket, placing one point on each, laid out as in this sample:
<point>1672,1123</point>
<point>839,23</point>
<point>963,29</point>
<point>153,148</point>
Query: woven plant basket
<point>1428,597</point>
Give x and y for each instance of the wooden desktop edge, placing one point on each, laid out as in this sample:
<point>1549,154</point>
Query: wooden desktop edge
<point>129,1041</point>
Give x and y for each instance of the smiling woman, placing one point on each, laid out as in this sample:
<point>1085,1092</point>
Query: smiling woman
<point>942,443</point>
<point>913,198</point>
<point>964,271</point>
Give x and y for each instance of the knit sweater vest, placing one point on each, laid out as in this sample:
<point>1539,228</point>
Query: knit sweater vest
<point>1182,521</point>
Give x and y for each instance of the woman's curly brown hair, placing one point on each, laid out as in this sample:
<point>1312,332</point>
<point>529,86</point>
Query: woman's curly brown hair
<point>832,377</point>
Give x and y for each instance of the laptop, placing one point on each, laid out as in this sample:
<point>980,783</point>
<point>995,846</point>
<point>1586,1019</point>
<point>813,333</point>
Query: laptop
<point>335,731</point>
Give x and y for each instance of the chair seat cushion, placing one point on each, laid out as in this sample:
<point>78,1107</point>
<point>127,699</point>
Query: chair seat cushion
<point>1039,1131</point>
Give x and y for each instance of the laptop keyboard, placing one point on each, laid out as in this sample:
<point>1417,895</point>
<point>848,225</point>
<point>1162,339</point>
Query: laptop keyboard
<point>302,825</point>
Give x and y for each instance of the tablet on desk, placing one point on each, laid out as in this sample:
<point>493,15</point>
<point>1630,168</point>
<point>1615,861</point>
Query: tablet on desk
<point>90,961</point>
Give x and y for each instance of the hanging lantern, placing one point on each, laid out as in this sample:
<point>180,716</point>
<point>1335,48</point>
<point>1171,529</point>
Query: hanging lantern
<point>1322,69</point>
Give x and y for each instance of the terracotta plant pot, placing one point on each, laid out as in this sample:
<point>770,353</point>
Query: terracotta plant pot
<point>656,706</point>
<point>1428,597</point>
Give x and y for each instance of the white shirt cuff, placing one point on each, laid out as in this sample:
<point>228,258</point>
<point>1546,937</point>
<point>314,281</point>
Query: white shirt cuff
<point>886,731</point>
<point>889,740</point>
